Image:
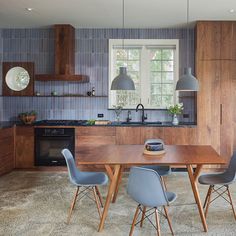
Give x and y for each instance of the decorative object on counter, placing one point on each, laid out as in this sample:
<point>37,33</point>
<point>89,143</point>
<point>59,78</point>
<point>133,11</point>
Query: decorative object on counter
<point>118,109</point>
<point>187,82</point>
<point>122,81</point>
<point>54,93</point>
<point>28,118</point>
<point>18,78</point>
<point>154,147</point>
<point>89,93</point>
<point>175,111</point>
<point>102,122</point>
<point>129,117</point>
<point>93,91</point>
<point>90,122</point>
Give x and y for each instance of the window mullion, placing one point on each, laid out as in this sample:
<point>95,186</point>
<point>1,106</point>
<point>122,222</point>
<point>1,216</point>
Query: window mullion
<point>145,88</point>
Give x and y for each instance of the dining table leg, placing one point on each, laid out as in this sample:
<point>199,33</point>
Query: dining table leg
<point>111,190</point>
<point>193,180</point>
<point>118,184</point>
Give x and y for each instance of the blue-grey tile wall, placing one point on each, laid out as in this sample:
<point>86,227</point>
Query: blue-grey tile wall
<point>91,58</point>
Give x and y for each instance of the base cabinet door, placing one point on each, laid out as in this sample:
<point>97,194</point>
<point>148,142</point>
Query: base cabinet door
<point>24,154</point>
<point>7,150</point>
<point>180,136</point>
<point>128,135</point>
<point>94,136</point>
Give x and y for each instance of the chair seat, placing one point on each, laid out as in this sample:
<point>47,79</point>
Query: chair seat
<point>91,179</point>
<point>213,179</point>
<point>171,196</point>
<point>161,170</point>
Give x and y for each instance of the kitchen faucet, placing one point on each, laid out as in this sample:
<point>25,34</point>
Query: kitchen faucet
<point>144,117</point>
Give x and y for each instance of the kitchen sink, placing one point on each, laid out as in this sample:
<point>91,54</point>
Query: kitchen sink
<point>141,123</point>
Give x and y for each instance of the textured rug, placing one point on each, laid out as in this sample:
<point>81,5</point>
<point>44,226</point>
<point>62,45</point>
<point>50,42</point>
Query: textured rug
<point>37,203</point>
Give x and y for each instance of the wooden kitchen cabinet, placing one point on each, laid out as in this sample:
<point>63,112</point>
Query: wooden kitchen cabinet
<point>215,40</point>
<point>128,135</point>
<point>94,136</point>
<point>151,132</point>
<point>24,145</point>
<point>180,135</point>
<point>215,70</point>
<point>7,150</point>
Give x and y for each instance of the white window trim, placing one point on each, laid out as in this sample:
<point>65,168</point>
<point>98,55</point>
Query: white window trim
<point>142,42</point>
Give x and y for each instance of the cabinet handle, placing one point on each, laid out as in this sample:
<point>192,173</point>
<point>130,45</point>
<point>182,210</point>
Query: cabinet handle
<point>221,114</point>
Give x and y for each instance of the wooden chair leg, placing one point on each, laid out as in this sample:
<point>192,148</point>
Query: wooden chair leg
<point>209,189</point>
<point>163,182</point>
<point>73,205</point>
<point>99,196</point>
<point>168,219</point>
<point>208,200</point>
<point>143,215</point>
<point>231,201</point>
<point>157,223</point>
<point>97,203</point>
<point>134,220</point>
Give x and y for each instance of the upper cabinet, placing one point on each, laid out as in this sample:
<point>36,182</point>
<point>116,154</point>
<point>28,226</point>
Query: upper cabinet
<point>64,56</point>
<point>215,40</point>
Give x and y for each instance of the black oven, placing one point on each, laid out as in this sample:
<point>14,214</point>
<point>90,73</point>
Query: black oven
<point>48,145</point>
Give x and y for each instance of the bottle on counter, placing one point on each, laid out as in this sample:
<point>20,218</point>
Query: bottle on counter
<point>93,91</point>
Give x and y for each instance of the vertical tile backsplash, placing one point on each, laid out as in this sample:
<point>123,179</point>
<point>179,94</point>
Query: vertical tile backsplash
<point>91,58</point>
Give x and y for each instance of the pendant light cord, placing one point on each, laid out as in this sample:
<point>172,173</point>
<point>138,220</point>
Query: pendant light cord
<point>187,33</point>
<point>123,22</point>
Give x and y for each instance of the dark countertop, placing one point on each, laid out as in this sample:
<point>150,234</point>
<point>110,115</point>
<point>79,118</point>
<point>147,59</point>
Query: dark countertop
<point>152,124</point>
<point>8,124</point>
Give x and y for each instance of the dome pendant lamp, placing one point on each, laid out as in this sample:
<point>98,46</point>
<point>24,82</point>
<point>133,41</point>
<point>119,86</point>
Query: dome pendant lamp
<point>123,81</point>
<point>187,82</point>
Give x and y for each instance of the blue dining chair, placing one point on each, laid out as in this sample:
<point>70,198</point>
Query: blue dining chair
<point>146,188</point>
<point>223,180</point>
<point>88,180</point>
<point>161,170</point>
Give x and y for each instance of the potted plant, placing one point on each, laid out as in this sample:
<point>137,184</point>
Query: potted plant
<point>174,111</point>
<point>118,109</point>
<point>28,118</point>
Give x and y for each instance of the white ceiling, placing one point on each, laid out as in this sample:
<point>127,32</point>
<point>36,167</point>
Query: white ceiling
<point>108,13</point>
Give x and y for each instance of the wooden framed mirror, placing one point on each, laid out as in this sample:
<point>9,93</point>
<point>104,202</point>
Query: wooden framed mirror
<point>18,79</point>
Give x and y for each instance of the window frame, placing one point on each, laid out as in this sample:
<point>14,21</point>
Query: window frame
<point>145,89</point>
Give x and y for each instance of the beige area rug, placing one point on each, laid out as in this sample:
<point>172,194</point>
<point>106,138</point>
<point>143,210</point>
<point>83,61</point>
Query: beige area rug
<point>37,203</point>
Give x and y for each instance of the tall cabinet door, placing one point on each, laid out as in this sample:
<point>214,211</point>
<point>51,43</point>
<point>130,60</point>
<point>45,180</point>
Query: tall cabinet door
<point>208,42</point>
<point>226,108</point>
<point>208,103</point>
<point>216,71</point>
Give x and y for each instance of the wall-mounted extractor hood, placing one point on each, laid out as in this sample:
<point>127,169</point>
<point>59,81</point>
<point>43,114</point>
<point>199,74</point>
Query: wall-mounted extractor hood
<point>64,57</point>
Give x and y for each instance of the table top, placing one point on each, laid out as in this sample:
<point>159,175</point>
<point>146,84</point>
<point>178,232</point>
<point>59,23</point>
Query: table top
<point>133,155</point>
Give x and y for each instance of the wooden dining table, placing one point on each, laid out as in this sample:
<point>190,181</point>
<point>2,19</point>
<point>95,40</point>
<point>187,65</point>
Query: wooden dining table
<point>116,157</point>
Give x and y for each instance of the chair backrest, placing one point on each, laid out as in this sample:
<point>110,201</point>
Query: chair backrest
<point>145,187</point>
<point>73,171</point>
<point>231,170</point>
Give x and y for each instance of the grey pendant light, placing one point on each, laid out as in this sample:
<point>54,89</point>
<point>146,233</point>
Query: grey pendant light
<point>123,81</point>
<point>187,82</point>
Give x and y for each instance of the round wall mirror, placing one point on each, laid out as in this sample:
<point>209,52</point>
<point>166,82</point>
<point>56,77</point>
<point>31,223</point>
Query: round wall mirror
<point>17,78</point>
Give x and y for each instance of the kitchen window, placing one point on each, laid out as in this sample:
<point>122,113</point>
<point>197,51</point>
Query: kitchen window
<point>153,66</point>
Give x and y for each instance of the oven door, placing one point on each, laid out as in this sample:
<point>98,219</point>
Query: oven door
<point>48,150</point>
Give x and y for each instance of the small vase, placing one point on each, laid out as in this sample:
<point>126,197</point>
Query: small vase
<point>175,120</point>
